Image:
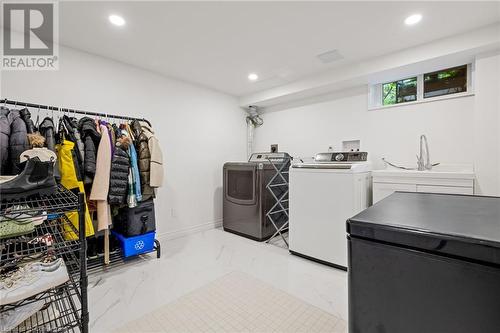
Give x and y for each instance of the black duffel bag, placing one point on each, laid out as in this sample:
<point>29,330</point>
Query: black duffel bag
<point>136,221</point>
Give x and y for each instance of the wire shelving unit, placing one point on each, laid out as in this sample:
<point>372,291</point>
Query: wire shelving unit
<point>65,306</point>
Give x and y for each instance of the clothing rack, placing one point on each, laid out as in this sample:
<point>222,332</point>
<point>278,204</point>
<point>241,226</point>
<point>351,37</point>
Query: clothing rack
<point>116,258</point>
<point>59,109</point>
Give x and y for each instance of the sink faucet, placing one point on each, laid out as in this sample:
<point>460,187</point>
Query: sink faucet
<point>420,159</point>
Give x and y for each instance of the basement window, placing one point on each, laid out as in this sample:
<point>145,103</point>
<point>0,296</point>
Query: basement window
<point>401,91</point>
<point>445,83</point>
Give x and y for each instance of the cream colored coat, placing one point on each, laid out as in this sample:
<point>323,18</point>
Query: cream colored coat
<point>156,165</point>
<point>100,186</point>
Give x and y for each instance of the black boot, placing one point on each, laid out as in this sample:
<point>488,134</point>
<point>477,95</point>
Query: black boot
<point>36,178</point>
<point>26,117</point>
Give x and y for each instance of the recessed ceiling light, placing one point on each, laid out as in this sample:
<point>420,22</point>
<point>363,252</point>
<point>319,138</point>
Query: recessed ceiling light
<point>117,20</point>
<point>253,77</point>
<point>413,19</point>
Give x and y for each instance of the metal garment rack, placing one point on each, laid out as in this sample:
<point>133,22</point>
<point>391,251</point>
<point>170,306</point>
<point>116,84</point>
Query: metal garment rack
<point>66,305</point>
<point>64,110</point>
<point>278,186</point>
<point>115,258</point>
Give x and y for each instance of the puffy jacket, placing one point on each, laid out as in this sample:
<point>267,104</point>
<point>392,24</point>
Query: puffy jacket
<point>18,140</point>
<point>4,140</point>
<point>118,178</point>
<point>91,138</point>
<point>156,165</point>
<point>144,159</point>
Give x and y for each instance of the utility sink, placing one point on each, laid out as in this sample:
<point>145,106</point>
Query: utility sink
<point>462,171</point>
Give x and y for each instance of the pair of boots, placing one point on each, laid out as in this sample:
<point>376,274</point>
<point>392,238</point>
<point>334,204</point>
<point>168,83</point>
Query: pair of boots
<point>36,178</point>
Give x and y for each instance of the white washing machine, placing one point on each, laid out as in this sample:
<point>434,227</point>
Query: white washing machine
<point>323,195</point>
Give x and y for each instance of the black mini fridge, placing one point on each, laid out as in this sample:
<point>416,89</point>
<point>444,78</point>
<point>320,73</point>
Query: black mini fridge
<point>425,263</point>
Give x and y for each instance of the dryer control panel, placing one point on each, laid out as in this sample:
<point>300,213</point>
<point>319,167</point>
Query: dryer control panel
<point>350,156</point>
<point>265,157</point>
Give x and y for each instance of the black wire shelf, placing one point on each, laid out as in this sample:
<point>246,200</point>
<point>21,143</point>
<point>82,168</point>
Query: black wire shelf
<point>60,232</point>
<point>65,306</point>
<point>60,202</point>
<point>59,314</point>
<point>116,259</point>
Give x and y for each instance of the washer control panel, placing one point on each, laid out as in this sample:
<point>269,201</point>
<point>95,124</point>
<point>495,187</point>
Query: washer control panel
<point>350,156</point>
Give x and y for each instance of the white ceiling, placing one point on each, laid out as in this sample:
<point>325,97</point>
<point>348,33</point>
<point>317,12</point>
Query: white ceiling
<point>216,44</point>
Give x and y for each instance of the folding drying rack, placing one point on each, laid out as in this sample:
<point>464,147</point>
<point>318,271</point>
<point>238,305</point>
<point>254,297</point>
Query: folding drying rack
<point>278,186</point>
<point>66,306</point>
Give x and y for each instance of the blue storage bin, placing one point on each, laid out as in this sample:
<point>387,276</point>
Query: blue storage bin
<point>132,246</point>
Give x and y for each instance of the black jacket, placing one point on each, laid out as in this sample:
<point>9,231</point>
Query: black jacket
<point>4,140</point>
<point>90,138</point>
<point>118,178</point>
<point>18,140</point>
<point>26,117</point>
<point>46,129</point>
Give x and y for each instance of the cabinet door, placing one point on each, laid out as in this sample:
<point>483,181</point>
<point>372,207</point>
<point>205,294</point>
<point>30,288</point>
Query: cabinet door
<point>445,189</point>
<point>382,190</point>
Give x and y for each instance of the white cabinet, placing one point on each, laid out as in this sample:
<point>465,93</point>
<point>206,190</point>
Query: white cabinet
<point>386,182</point>
<point>382,190</point>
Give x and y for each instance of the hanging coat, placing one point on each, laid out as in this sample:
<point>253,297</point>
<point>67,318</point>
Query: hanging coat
<point>100,186</point>
<point>70,179</point>
<point>118,178</point>
<point>26,117</point>
<point>156,166</point>
<point>18,140</point>
<point>144,159</point>
<point>91,139</point>
<point>4,140</point>
<point>135,173</point>
<point>73,135</point>
<point>46,129</point>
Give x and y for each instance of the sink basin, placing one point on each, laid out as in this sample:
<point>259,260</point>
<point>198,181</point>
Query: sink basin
<point>463,171</point>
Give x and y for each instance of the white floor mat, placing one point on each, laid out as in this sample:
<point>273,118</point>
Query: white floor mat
<point>237,302</point>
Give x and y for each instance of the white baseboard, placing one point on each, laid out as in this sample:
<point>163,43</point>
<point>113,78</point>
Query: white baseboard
<point>168,235</point>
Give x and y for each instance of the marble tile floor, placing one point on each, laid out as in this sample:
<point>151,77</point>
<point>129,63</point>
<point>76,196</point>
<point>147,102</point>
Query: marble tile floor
<point>128,292</point>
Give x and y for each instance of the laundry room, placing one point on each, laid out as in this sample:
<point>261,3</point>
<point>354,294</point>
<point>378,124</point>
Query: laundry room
<point>250,166</point>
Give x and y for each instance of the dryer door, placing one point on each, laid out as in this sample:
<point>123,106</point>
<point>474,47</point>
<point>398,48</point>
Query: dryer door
<point>240,182</point>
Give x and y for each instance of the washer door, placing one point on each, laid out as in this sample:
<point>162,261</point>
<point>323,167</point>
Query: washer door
<point>241,181</point>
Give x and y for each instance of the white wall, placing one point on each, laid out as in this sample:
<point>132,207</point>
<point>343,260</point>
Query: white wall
<point>392,133</point>
<point>459,130</point>
<point>487,124</point>
<point>199,129</point>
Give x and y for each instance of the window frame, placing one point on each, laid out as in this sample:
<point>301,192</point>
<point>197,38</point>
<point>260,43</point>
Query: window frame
<point>375,94</point>
<point>396,81</point>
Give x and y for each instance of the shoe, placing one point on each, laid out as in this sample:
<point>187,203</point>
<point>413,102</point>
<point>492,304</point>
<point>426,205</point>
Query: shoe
<point>36,178</point>
<point>23,213</point>
<point>14,228</point>
<point>31,280</point>
<point>12,318</point>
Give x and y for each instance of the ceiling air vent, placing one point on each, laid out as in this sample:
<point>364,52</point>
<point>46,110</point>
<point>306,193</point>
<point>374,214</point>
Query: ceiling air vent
<point>330,56</point>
